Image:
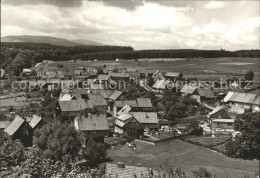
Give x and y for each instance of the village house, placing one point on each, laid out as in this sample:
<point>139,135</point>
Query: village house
<point>138,105</point>
<point>78,71</point>
<point>173,76</point>
<point>127,124</point>
<point>93,126</point>
<point>36,122</point>
<point>188,90</point>
<point>2,73</point>
<point>4,124</point>
<point>19,129</point>
<point>118,105</point>
<point>109,68</point>
<point>221,121</point>
<point>60,74</point>
<point>119,76</point>
<point>53,83</point>
<point>247,101</point>
<point>203,95</point>
<point>144,104</point>
<point>27,72</point>
<point>148,119</point>
<point>69,74</point>
<point>157,75</point>
<point>71,108</point>
<point>103,78</point>
<point>160,85</point>
<point>98,102</point>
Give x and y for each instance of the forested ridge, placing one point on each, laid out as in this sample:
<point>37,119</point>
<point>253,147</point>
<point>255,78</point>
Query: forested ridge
<point>16,56</point>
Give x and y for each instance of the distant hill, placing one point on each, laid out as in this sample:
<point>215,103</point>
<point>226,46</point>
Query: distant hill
<point>88,42</point>
<point>48,39</point>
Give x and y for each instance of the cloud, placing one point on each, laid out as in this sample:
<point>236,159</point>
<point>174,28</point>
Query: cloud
<point>58,3</point>
<point>149,25</point>
<point>214,5</point>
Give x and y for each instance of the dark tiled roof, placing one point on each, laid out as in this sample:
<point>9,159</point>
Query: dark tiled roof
<point>92,122</point>
<point>73,105</point>
<point>146,117</point>
<point>207,93</point>
<point>172,74</point>
<point>188,89</point>
<point>4,124</point>
<point>144,102</point>
<point>115,95</point>
<point>119,75</point>
<point>123,103</point>
<point>244,98</point>
<point>103,77</point>
<point>97,99</point>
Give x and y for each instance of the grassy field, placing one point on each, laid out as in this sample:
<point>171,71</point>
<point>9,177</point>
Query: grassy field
<point>188,157</point>
<point>205,67</point>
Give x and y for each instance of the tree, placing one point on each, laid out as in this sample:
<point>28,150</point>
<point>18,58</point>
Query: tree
<point>11,152</point>
<point>192,110</point>
<point>195,128</point>
<point>246,144</point>
<point>58,140</point>
<point>94,151</point>
<point>249,75</point>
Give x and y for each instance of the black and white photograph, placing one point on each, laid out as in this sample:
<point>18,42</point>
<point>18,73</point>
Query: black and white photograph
<point>129,88</point>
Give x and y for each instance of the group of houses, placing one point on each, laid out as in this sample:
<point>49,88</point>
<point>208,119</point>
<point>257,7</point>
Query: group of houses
<point>91,107</point>
<point>89,110</point>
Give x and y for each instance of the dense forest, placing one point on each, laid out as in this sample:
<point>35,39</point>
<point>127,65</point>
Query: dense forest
<point>16,56</point>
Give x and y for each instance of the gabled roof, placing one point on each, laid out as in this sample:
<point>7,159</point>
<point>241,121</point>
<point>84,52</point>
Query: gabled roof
<point>35,120</point>
<point>123,103</point>
<point>103,77</point>
<point>246,98</point>
<point>160,84</point>
<point>96,99</point>
<point>92,122</point>
<point>14,126</point>
<point>95,86</point>
<point>26,70</point>
<point>207,93</point>
<point>119,75</point>
<point>124,117</point>
<point>126,109</point>
<point>146,117</point>
<point>216,109</point>
<point>144,102</point>
<point>115,95</point>
<point>223,120</point>
<point>157,72</point>
<point>66,97</point>
<point>188,89</point>
<point>73,105</point>
<point>172,74</point>
<point>4,124</point>
<point>53,80</point>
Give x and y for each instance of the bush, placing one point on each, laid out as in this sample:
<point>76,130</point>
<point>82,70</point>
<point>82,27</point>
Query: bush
<point>202,172</point>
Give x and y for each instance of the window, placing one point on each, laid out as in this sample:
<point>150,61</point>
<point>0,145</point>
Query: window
<point>229,124</point>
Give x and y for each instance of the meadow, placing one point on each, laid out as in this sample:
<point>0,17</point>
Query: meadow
<point>203,67</point>
<point>176,153</point>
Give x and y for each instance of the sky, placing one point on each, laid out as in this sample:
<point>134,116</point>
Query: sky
<point>142,24</point>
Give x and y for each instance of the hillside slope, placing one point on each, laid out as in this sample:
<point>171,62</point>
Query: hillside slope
<point>47,39</point>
